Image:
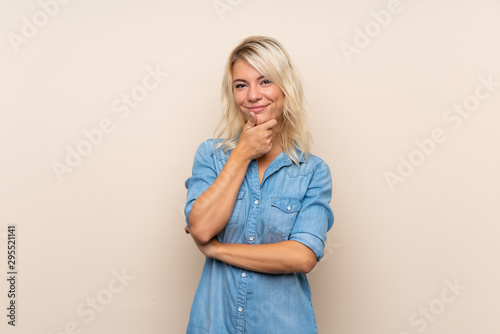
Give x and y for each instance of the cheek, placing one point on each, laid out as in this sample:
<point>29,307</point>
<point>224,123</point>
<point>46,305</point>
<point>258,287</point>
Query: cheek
<point>244,115</point>
<point>238,103</point>
<point>279,107</point>
<point>238,98</point>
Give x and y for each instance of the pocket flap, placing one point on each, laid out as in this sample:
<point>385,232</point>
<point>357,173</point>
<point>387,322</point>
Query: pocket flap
<point>241,194</point>
<point>286,204</point>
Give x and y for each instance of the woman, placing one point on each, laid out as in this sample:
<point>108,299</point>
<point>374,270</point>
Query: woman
<point>258,201</point>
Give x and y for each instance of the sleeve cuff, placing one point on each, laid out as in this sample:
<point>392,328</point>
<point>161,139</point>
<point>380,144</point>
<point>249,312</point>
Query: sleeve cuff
<point>311,241</point>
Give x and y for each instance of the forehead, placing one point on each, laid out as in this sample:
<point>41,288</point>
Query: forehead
<point>243,70</point>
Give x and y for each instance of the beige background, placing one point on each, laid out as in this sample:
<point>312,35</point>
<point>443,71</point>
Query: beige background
<point>391,250</point>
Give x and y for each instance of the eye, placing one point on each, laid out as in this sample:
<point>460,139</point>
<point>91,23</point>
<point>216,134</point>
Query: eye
<point>239,86</point>
<point>266,82</point>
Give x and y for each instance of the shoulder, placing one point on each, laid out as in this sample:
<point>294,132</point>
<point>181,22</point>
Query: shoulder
<point>208,148</point>
<point>315,161</point>
<point>308,165</point>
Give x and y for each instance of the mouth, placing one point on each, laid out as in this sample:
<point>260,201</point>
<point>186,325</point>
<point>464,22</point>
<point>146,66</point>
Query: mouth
<point>257,108</point>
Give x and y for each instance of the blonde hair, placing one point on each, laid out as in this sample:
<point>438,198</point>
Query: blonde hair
<point>270,59</point>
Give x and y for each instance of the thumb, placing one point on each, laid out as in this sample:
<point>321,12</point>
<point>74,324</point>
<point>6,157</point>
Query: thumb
<point>252,120</point>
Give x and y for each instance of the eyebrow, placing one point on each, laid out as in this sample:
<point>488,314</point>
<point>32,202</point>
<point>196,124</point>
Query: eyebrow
<point>261,77</point>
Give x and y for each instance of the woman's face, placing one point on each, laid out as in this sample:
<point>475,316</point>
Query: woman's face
<point>253,92</point>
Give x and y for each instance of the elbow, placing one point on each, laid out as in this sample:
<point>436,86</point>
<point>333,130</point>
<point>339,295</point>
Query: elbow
<point>307,262</point>
<point>198,234</point>
<point>308,265</point>
<point>200,239</point>
<point>305,258</point>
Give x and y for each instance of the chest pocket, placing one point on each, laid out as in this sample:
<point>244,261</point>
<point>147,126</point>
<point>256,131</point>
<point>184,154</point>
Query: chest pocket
<point>235,217</point>
<point>284,211</point>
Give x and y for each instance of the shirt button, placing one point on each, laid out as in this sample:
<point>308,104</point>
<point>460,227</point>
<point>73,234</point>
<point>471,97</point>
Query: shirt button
<point>256,202</point>
<point>288,208</point>
<point>240,309</point>
<point>251,238</point>
<point>243,274</point>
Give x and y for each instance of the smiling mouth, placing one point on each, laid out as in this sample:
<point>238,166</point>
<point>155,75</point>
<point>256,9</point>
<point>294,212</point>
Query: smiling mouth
<point>257,108</point>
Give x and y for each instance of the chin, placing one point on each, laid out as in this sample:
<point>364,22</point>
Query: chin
<point>260,119</point>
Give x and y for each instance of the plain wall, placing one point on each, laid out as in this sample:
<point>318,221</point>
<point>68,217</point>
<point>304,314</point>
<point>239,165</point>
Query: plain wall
<point>415,243</point>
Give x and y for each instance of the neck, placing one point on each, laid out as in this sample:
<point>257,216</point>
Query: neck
<point>275,150</point>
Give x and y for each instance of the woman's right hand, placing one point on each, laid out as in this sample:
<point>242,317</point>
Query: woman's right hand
<point>256,140</point>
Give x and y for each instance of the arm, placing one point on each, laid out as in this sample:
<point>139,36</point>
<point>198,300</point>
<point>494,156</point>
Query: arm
<point>276,258</point>
<point>213,208</point>
<point>306,242</point>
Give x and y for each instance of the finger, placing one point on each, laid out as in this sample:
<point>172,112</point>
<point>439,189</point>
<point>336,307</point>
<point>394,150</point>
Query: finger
<point>269,124</point>
<point>252,120</point>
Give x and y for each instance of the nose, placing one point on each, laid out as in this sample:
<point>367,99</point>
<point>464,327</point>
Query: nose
<point>254,93</point>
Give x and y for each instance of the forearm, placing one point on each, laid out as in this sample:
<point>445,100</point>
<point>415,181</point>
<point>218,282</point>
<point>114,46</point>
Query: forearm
<point>212,209</point>
<point>276,258</point>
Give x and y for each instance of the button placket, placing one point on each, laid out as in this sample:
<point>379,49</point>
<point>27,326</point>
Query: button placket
<point>253,201</point>
<point>255,208</point>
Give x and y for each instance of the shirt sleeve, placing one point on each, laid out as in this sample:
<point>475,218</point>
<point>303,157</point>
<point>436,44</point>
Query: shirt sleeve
<point>315,218</point>
<point>203,175</point>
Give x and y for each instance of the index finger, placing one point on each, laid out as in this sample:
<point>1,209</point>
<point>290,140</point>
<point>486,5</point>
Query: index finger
<point>269,124</point>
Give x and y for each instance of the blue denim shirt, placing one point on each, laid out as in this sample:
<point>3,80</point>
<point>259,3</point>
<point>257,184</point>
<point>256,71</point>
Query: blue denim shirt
<point>291,203</point>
